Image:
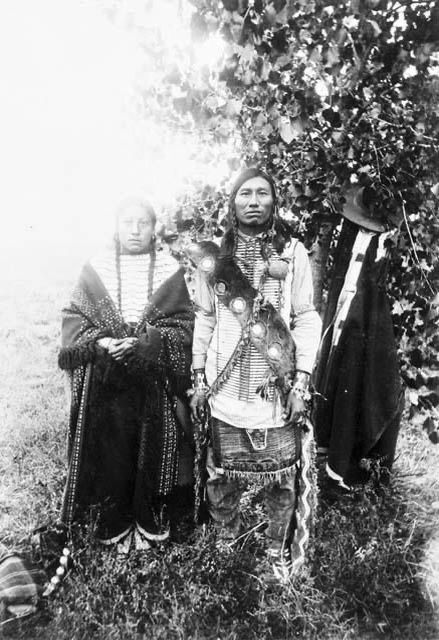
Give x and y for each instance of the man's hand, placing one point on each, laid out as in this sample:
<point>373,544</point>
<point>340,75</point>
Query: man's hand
<point>197,405</point>
<point>198,400</point>
<point>295,407</point>
<point>296,399</point>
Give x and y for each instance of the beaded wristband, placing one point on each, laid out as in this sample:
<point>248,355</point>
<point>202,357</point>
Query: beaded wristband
<point>299,385</point>
<point>199,383</point>
<point>302,378</point>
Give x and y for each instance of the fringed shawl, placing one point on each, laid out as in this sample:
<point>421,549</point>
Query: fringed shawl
<point>152,382</point>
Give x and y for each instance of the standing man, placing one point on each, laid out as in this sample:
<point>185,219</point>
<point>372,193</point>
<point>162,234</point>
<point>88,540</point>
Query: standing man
<point>253,369</point>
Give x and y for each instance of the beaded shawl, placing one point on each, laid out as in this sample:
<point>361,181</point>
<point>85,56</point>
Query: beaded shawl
<point>160,367</point>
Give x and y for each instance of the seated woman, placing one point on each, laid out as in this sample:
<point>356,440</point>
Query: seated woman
<point>126,342</point>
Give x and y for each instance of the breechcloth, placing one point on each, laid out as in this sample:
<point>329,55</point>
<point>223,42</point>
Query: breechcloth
<point>261,454</point>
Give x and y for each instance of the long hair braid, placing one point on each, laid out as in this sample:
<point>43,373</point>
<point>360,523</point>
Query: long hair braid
<point>267,239</point>
<point>118,273</point>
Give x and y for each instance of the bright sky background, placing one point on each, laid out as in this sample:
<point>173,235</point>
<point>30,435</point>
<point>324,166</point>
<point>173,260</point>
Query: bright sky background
<point>71,142</point>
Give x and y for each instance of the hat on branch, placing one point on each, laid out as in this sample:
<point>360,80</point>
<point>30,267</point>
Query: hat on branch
<point>366,208</point>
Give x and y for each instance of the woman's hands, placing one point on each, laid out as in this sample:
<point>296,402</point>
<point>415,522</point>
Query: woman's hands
<point>118,349</point>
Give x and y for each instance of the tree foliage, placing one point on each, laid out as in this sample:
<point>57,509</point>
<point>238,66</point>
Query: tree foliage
<point>326,96</point>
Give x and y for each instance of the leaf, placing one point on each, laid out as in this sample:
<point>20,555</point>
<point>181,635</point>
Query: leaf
<point>297,126</point>
<point>267,130</point>
<point>332,56</point>
<point>296,190</point>
<point>286,130</point>
<point>261,119</point>
<point>247,53</point>
<point>290,129</point>
<point>376,28</point>
<point>321,88</point>
<point>230,5</point>
<point>199,29</point>
<point>248,77</point>
<point>397,309</point>
<point>341,36</point>
<point>270,15</point>
<point>315,56</point>
<point>282,16</point>
<point>233,107</point>
<point>283,61</point>
<point>429,425</point>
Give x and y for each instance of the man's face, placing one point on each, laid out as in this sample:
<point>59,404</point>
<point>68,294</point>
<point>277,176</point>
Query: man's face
<point>136,229</point>
<point>254,204</point>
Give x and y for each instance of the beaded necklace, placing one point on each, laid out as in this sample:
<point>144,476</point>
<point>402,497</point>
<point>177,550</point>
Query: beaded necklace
<point>119,275</point>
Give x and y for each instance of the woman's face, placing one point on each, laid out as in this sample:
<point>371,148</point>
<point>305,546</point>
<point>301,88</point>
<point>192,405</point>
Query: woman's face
<point>135,229</point>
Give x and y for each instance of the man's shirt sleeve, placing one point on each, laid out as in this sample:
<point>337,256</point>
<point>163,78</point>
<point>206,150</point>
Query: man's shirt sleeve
<point>205,320</point>
<point>306,323</point>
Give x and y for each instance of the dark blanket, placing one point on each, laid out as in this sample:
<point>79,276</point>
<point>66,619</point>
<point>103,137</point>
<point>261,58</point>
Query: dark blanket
<point>145,396</point>
<point>358,412</point>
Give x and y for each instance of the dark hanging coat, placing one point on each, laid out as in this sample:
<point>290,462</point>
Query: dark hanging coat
<point>358,412</point>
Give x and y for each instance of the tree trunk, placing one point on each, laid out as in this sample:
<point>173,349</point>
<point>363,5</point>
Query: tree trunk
<point>319,256</point>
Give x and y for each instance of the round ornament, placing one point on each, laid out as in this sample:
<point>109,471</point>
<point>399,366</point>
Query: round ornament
<point>278,269</point>
<point>258,330</point>
<point>274,351</point>
<point>220,288</point>
<point>207,264</point>
<point>238,305</point>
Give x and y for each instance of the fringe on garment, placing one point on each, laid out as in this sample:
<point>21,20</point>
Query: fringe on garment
<point>72,357</point>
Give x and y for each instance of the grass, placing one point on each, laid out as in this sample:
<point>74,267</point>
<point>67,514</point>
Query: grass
<point>373,564</point>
